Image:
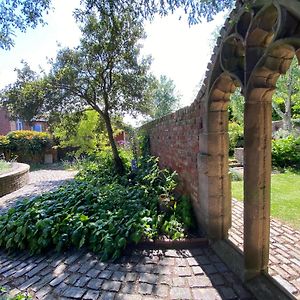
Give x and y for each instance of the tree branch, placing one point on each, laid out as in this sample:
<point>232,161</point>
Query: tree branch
<point>277,110</point>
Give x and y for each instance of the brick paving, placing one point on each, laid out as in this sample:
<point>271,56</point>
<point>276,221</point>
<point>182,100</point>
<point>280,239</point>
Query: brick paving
<point>187,274</point>
<point>39,181</point>
<point>284,264</point>
<point>140,274</point>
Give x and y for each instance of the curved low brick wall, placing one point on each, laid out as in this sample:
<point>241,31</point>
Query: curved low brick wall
<point>14,179</point>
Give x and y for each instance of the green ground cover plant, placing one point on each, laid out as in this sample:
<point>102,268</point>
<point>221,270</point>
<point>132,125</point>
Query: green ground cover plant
<point>285,197</point>
<point>100,210</point>
<point>4,166</point>
<point>4,295</point>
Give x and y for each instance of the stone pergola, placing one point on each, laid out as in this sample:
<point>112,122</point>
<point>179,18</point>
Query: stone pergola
<point>256,46</point>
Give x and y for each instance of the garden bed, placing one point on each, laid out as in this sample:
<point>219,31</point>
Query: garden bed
<point>103,211</point>
<point>15,178</point>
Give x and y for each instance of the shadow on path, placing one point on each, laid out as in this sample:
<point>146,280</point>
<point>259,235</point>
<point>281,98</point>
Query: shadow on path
<point>170,274</point>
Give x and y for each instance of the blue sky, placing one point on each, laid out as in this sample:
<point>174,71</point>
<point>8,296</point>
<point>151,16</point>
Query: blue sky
<point>179,51</point>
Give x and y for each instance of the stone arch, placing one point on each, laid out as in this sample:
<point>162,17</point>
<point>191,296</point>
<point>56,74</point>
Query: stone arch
<point>257,46</point>
<point>257,154</point>
<point>214,183</point>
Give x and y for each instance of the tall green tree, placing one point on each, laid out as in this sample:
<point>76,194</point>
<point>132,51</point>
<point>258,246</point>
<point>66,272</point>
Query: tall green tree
<point>84,131</point>
<point>105,72</point>
<point>25,97</point>
<point>236,107</point>
<point>286,99</point>
<point>196,10</point>
<point>166,99</point>
<point>18,15</point>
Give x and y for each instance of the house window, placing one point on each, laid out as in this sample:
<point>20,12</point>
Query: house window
<point>19,124</point>
<point>37,127</point>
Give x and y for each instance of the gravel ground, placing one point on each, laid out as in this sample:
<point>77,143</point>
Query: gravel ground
<point>40,181</point>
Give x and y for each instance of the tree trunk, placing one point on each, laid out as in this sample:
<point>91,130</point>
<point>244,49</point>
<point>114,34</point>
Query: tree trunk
<point>286,115</point>
<point>118,162</point>
<point>287,121</point>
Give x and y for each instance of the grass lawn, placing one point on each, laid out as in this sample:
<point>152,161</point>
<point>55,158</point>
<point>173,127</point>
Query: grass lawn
<point>285,197</point>
<point>4,166</point>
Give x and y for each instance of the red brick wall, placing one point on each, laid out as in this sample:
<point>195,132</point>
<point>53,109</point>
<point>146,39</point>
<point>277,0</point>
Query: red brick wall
<point>5,123</point>
<point>175,140</point>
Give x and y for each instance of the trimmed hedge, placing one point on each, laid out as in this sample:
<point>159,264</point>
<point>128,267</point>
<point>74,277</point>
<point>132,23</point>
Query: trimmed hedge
<point>286,152</point>
<point>3,143</point>
<point>26,145</point>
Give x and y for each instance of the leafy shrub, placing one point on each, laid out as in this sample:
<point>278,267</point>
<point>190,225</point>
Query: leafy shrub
<point>235,175</point>
<point>144,143</point>
<point>4,295</point>
<point>3,145</point>
<point>3,142</point>
<point>296,122</point>
<point>100,210</point>
<point>286,152</point>
<point>26,144</point>
<point>29,141</point>
<point>184,212</point>
<point>236,136</point>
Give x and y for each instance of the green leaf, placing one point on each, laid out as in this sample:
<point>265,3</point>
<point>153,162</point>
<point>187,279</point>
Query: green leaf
<point>122,243</point>
<point>84,218</point>
<point>82,240</point>
<point>136,237</point>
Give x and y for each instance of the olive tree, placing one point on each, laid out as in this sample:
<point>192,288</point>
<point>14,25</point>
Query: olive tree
<point>105,72</point>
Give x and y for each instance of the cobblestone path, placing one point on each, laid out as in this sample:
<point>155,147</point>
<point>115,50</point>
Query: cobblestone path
<point>151,274</point>
<point>185,274</point>
<point>284,264</point>
<point>39,181</point>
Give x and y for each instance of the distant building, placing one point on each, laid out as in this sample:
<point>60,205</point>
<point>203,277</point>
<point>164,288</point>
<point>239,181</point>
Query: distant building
<point>121,138</point>
<point>7,124</point>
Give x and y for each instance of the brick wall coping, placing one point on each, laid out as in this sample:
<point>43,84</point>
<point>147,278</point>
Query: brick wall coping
<point>14,179</point>
<point>17,168</point>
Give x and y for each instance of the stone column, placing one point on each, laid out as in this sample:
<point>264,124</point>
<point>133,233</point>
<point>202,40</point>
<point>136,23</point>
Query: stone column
<point>257,181</point>
<point>214,183</point>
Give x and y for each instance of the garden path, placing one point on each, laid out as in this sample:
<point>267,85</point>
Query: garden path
<point>40,181</point>
<point>204,274</point>
<point>151,274</point>
<point>141,274</point>
<point>284,263</point>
